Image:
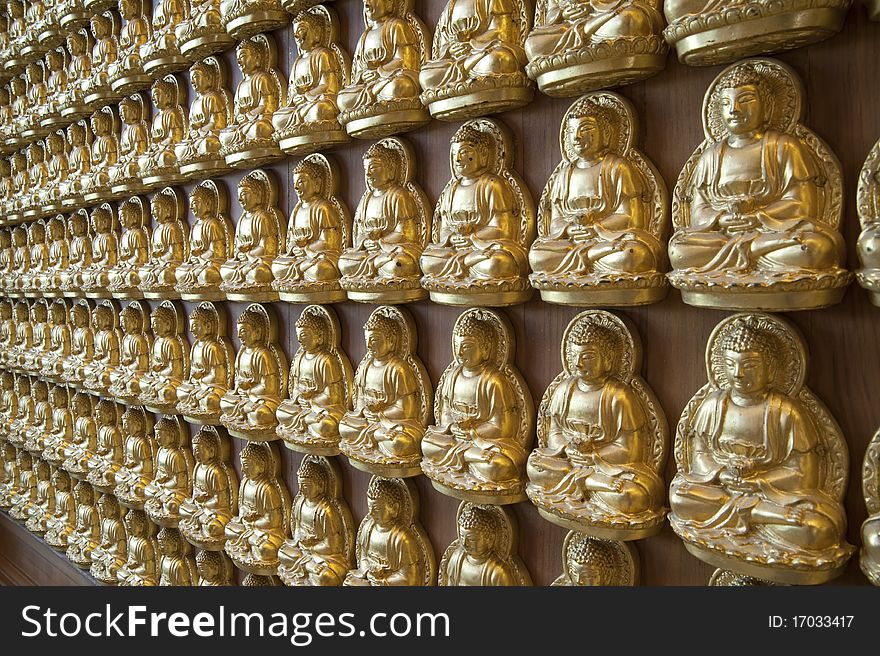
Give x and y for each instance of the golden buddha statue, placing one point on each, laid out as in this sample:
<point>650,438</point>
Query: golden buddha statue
<point>870,552</point>
<point>57,169</point>
<point>72,105</point>
<point>483,224</point>
<point>248,408</point>
<point>308,270</point>
<point>763,502</point>
<point>17,33</point>
<point>484,553</point>
<point>757,208</point>
<point>214,569</point>
<point>259,237</point>
<point>86,535</point>
<point>97,88</point>
<point>159,165</point>
<point>56,86</point>
<point>135,347</point>
<point>319,385</point>
<point>201,32</point>
<point>245,18</point>
<point>602,436</point>
<point>31,46</point>
<point>258,531</point>
<point>210,244</point>
<point>108,457</point>
<point>39,258</point>
<point>98,373</point>
<point>169,359</point>
<point>392,548</point>
<point>133,250</point>
<point>39,514</point>
<point>104,153</point>
<point>9,474</point>
<point>142,566</point>
<point>61,426</point>
<point>382,96</point>
<point>391,228</point>
<point>248,141</point>
<point>35,101</point>
<point>868,205</point>
<point>20,180</point>
<point>391,399</point>
<point>7,191</point>
<point>309,121</point>
<point>602,216</point>
<point>177,567</point>
<point>38,179</point>
<point>24,413</point>
<point>63,519</point>
<point>172,484</point>
<point>210,113</point>
<point>214,499</point>
<point>79,253</point>
<point>134,141</point>
<point>38,432</point>
<point>169,244</point>
<point>139,458</point>
<point>709,32</point>
<point>211,372</point>
<point>24,335</point>
<point>320,551</point>
<point>111,553</point>
<point>589,561</point>
<point>79,163</point>
<point>40,340</point>
<point>105,252</point>
<point>8,401</point>
<point>25,493</point>
<point>483,413</point>
<point>161,54</point>
<point>84,441</point>
<point>127,74</point>
<point>6,258</point>
<point>82,344</point>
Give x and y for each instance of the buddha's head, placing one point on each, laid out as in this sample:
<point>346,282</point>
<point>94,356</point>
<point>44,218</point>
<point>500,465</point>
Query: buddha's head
<point>38,313</point>
<point>103,317</point>
<point>23,386</point>
<point>100,122</point>
<point>589,134</point>
<point>313,480</point>
<point>308,30</point>
<point>76,134</point>
<point>56,229</point>
<point>61,480</point>
<point>19,162</point>
<point>202,77</point>
<point>105,413</point>
<point>100,25</point>
<point>37,233</point>
<point>16,9</point>
<point>254,461</point>
<point>746,101</point>
<point>34,73</point>
<point>76,43</point>
<point>308,180</point>
<point>36,154</point>
<point>163,93</point>
<point>311,331</point>
<point>5,310</point>
<point>477,528</point>
<point>250,329</point>
<point>592,351</point>
<point>60,397</point>
<point>205,447</point>
<point>376,10</point>
<point>5,239</point>
<point>167,433</point>
<point>251,194</point>
<point>472,342</point>
<point>82,405</point>
<point>7,381</point>
<point>203,323</point>
<point>162,321</point>
<point>380,335</point>
<point>9,453</point>
<point>136,523</point>
<point>129,110</point>
<point>209,565</point>
<point>133,422</point>
<point>54,144</point>
<point>41,391</point>
<point>128,9</point>
<point>42,469</point>
<point>131,320</point>
<point>170,542</point>
<point>102,220</point>
<point>129,214</point>
<point>249,56</point>
<point>54,60</point>
<point>384,501</point>
<point>78,224</point>
<point>108,506</point>
<point>24,460</point>
<point>83,494</point>
<point>749,358</point>
<point>472,151</point>
<point>381,166</point>
<point>22,312</point>
<point>590,562</point>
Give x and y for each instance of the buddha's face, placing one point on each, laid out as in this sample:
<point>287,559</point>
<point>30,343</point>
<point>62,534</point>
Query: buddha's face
<point>247,333</point>
<point>161,96</point>
<point>102,222</point>
<point>78,226</point>
<point>127,216</point>
<point>377,9</point>
<point>306,37</point>
<point>747,372</point>
<point>468,350</point>
<point>376,174</point>
<point>131,425</point>
<point>41,392</point>
<point>586,136</point>
<point>167,547</point>
<point>38,236</point>
<point>127,113</point>
<point>248,59</point>
<point>160,325</point>
<point>128,9</point>
<point>201,205</point>
<point>103,320</point>
<point>589,361</point>
<point>204,452</point>
<point>165,437</point>
<point>105,415</point>
<point>198,327</point>
<point>249,197</point>
<point>378,343</point>
<point>53,60</point>
<point>251,467</point>
<point>59,398</point>
<point>135,528</point>
<point>79,317</point>
<point>585,574</point>
<point>311,487</point>
<point>19,238</point>
<point>76,46</point>
<point>77,137</point>
<point>305,186</point>
<point>382,510</point>
<point>308,338</point>
<point>476,542</point>
<point>129,323</point>
<point>53,146</point>
<point>161,210</point>
<point>468,158</point>
<point>32,74</point>
<point>200,79</point>
<point>83,496</point>
<point>742,109</point>
<point>100,28</point>
<point>38,314</point>
<point>82,407</point>
<point>208,570</point>
<point>56,230</point>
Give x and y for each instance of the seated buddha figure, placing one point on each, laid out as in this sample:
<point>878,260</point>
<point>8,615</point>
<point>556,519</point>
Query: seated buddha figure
<point>24,413</point>
<point>139,458</point>
<point>202,32</point>
<point>214,569</point>
<point>134,353</point>
<point>108,457</point>
<point>256,533</point>
<point>84,441</point>
<point>6,255</point>
<point>104,152</point>
<point>755,222</point>
<point>211,367</point>
<point>593,562</point>
<point>210,244</point>
<point>319,385</point>
<point>79,253</point>
<point>38,432</point>
<point>870,553</point>
<point>161,53</point>
<point>483,224</point>
<point>41,511</point>
<point>601,216</point>
<point>172,484</point>
<point>104,58</point>
<point>82,343</point>
<point>382,96</point>
<point>214,499</point>
<point>177,567</point>
<point>110,554</point>
<point>391,401</point>
<point>8,474</point>
<point>210,113</point>
<point>159,165</point>
<point>35,99</point>
<point>86,534</point>
<point>168,245</point>
<point>247,275</point>
<point>127,73</point>
<point>21,261</point>
<point>38,177</point>
<point>7,331</point>
<point>601,439</point>
<point>484,553</point>
<point>320,550</point>
<point>71,104</point>
<point>478,445</point>
<point>20,180</point>
<point>134,140</point>
<point>61,426</point>
<point>390,229</point>
<point>105,252</point>
<point>169,359</point>
<point>310,119</point>
<point>58,256</point>
<point>754,491</point>
<point>248,140</point>
<point>25,494</point>
<point>79,163</point>
<point>63,519</point>
<point>142,565</point>
<point>581,45</point>
<point>476,64</point>
<point>24,335</point>
<point>33,360</point>
<point>56,86</point>
<point>98,373</point>
<point>133,250</point>
<point>57,168</point>
<point>316,232</point>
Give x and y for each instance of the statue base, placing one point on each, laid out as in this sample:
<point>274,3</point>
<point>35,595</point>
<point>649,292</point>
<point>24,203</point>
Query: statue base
<point>72,21</point>
<point>480,298</point>
<point>33,51</point>
<point>481,103</point>
<point>101,97</point>
<point>199,542</point>
<point>475,496</point>
<point>253,158</point>
<point>204,169</point>
<point>97,196</point>
<point>52,121</point>
<point>387,470</point>
<point>306,144</point>
<point>129,292</point>
<point>195,295</point>
<point>387,296</point>
<point>199,418</point>
<point>385,124</point>
<point>131,188</point>
<point>99,293</point>
<point>315,449</point>
<point>74,112</point>
<point>619,534</point>
<point>164,178</point>
<point>204,46</point>
<point>162,519</point>
<point>131,83</point>
<point>14,65</point>
<point>160,409</point>
<point>253,434</point>
<point>766,301</point>
<point>168,293</point>
<point>247,25</point>
<point>870,568</point>
<point>258,567</point>
<point>130,502</point>
<point>161,66</point>
<point>321,297</point>
<point>252,296</point>
<point>34,133</point>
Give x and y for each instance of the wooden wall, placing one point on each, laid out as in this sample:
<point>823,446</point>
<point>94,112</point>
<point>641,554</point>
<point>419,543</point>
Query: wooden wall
<point>843,97</point>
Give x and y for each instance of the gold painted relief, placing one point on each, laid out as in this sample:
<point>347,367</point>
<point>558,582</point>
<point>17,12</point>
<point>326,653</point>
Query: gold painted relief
<point>198,153</point>
<point>140,451</point>
<point>210,244</point>
<point>169,359</point>
<point>172,484</point>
